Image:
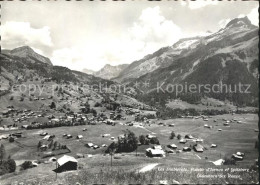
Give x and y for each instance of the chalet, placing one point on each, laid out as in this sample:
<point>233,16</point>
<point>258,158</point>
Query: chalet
<point>219,162</point>
<point>155,152</point>
<point>213,146</point>
<point>24,126</point>
<point>69,136</point>
<point>105,135</point>
<point>79,136</point>
<point>186,149</point>
<point>237,157</point>
<point>157,147</point>
<point>89,145</point>
<point>43,134</point>
<point>80,155</point>
<point>188,136</point>
<point>199,140</point>
<point>226,124</point>
<point>95,146</point>
<point>46,137</point>
<point>52,159</point>
<point>198,148</point>
<point>172,146</point>
<point>150,136</point>
<point>183,141</point>
<point>66,163</point>
<point>44,147</point>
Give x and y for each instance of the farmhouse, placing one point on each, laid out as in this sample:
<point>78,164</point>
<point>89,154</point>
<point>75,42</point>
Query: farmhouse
<point>226,124</point>
<point>79,136</point>
<point>186,149</point>
<point>52,159</point>
<point>43,134</point>
<point>183,141</point>
<point>157,147</point>
<point>188,136</point>
<point>150,136</point>
<point>236,157</point>
<point>80,155</point>
<point>46,137</point>
<point>219,162</point>
<point>155,152</point>
<point>90,145</point>
<point>66,163</point>
<point>198,140</point>
<point>95,146</point>
<point>173,146</point>
<point>44,147</point>
<point>69,136</point>
<point>198,148</point>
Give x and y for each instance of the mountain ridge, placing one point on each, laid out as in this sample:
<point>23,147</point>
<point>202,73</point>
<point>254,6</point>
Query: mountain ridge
<point>27,52</point>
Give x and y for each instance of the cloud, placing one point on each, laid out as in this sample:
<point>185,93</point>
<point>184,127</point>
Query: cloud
<point>16,34</point>
<point>198,3</point>
<point>252,16</point>
<point>222,23</point>
<point>149,33</point>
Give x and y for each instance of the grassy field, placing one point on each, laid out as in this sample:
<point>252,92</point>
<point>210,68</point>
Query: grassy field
<point>205,104</point>
<point>235,138</point>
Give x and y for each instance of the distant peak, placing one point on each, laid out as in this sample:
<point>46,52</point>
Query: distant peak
<point>27,48</point>
<point>237,22</point>
<point>26,51</point>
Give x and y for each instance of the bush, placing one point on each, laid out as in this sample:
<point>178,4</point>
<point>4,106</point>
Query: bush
<point>7,166</point>
<point>97,104</point>
<point>53,105</point>
<point>229,161</point>
<point>172,136</point>
<point>154,140</point>
<point>127,144</point>
<point>11,165</point>
<point>142,139</point>
<point>26,165</point>
<point>11,139</point>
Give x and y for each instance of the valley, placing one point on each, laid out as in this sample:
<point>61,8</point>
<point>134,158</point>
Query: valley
<point>61,126</point>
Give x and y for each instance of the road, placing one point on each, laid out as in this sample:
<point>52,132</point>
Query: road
<point>148,167</point>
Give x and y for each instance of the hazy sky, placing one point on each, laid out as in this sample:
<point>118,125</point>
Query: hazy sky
<point>85,34</point>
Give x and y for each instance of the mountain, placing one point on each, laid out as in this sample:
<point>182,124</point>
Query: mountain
<point>46,83</point>
<point>109,71</point>
<point>228,56</point>
<point>27,52</point>
<point>88,71</point>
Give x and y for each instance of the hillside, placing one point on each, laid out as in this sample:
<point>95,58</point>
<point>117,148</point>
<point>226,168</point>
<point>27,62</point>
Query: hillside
<point>26,79</point>
<point>229,56</point>
<point>108,71</point>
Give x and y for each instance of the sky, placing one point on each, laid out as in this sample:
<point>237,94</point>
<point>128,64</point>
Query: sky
<point>89,34</point>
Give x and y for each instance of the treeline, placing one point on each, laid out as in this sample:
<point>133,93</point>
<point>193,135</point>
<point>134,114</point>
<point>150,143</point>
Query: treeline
<point>128,143</point>
<point>143,117</point>
<point>56,124</point>
<point>6,165</point>
<point>177,113</point>
<point>162,98</point>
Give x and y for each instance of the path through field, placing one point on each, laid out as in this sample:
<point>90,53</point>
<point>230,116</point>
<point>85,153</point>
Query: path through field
<point>144,128</point>
<point>148,167</point>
